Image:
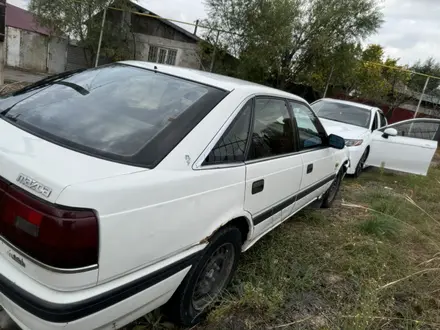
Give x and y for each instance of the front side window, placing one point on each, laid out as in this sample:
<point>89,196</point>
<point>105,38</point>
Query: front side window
<point>310,132</point>
<point>272,130</point>
<point>343,113</point>
<point>231,148</point>
<point>114,110</point>
<point>421,130</point>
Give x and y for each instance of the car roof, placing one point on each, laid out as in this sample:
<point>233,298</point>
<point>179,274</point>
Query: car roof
<point>355,104</point>
<point>215,80</point>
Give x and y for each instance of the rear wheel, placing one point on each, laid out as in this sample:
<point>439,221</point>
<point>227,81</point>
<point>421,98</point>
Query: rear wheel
<point>207,279</point>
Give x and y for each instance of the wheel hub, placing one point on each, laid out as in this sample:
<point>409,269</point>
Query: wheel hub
<point>213,277</point>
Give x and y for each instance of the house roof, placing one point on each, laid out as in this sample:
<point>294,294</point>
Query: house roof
<point>167,22</point>
<point>24,20</point>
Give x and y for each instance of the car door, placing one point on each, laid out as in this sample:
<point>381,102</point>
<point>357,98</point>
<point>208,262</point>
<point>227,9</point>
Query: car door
<point>318,158</point>
<point>401,153</point>
<point>273,166</point>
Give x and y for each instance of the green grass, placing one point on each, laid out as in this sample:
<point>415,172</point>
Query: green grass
<point>373,266</point>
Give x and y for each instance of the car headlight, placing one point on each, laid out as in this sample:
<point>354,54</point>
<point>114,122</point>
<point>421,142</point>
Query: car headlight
<point>353,143</point>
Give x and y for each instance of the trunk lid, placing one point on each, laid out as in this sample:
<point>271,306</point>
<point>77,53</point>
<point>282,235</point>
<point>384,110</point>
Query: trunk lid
<point>40,167</point>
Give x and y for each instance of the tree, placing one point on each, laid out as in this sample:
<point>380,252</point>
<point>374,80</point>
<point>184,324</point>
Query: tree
<point>431,68</point>
<point>278,40</point>
<point>81,20</point>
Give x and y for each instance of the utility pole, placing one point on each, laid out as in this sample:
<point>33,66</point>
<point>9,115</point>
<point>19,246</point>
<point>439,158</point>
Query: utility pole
<point>195,28</point>
<point>100,36</point>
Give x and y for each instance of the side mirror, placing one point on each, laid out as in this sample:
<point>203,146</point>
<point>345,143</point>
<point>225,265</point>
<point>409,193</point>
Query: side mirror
<point>336,141</point>
<point>389,132</point>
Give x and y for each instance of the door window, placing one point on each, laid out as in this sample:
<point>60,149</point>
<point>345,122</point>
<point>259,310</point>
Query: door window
<point>421,129</point>
<point>383,121</point>
<point>231,148</point>
<point>311,133</point>
<point>272,131</point>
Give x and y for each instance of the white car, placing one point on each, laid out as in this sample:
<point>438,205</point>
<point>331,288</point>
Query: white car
<point>135,184</point>
<point>362,127</point>
<point>355,122</point>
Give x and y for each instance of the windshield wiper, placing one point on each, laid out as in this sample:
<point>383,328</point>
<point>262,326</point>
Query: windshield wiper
<point>76,87</point>
<point>47,81</point>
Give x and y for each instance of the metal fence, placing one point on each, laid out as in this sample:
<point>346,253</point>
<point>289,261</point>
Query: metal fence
<point>400,92</point>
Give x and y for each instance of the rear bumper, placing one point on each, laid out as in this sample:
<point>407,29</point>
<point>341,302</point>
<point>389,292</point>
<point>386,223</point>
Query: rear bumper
<point>111,309</point>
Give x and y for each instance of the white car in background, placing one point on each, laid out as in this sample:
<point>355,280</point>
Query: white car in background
<point>355,122</point>
<point>366,133</point>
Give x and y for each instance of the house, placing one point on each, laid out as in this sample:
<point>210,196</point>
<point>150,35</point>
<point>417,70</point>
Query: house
<point>29,45</point>
<point>156,39</point>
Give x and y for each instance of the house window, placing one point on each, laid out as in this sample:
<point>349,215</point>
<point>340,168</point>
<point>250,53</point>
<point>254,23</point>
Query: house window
<point>162,55</point>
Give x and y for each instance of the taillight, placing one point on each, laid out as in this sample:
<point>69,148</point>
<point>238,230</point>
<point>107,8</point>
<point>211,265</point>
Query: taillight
<point>57,236</point>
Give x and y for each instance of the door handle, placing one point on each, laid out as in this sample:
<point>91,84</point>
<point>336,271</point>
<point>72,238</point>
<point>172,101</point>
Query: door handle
<point>257,187</point>
<point>309,168</point>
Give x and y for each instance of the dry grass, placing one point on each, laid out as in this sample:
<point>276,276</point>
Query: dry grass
<point>9,88</point>
<point>371,262</point>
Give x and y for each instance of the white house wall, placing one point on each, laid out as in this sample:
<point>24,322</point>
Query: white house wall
<point>13,47</point>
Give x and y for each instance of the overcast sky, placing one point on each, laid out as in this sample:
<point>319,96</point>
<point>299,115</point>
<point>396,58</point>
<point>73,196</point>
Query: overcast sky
<point>411,30</point>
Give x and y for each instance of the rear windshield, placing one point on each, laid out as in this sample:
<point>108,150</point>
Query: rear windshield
<point>343,113</point>
<point>114,110</point>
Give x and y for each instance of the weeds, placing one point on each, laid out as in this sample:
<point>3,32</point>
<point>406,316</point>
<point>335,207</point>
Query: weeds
<point>371,262</point>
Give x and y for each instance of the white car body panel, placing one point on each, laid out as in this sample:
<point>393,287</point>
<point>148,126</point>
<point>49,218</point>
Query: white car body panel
<point>344,130</point>
<point>401,153</point>
<point>150,219</point>
<point>22,152</point>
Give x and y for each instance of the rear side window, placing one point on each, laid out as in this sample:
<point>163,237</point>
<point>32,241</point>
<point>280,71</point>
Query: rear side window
<point>113,111</point>
<point>231,148</point>
<point>272,131</point>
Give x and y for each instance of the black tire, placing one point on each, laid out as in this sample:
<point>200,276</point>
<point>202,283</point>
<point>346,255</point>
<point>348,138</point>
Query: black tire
<point>332,192</point>
<point>361,163</point>
<point>183,308</point>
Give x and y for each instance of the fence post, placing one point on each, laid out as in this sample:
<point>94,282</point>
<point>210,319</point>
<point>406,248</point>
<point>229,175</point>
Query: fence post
<point>214,52</point>
<point>100,36</point>
<point>328,80</point>
<point>421,97</point>
<point>420,103</point>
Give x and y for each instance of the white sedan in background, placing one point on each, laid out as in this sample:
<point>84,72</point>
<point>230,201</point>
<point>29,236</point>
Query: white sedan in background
<point>372,142</point>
